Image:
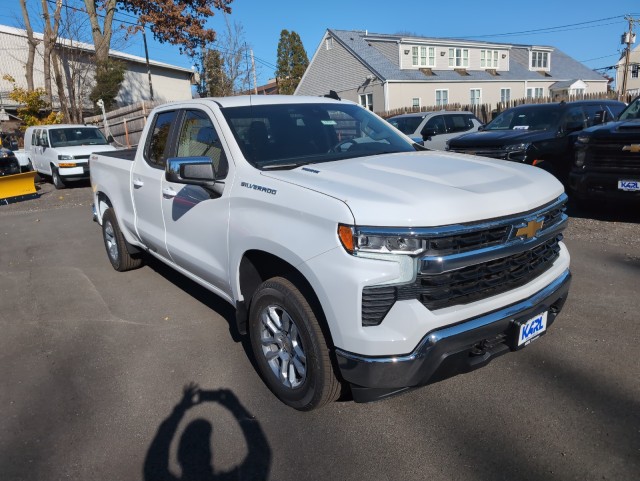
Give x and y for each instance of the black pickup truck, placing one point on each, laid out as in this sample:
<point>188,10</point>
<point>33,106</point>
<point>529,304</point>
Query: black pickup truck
<point>607,159</point>
<point>538,134</point>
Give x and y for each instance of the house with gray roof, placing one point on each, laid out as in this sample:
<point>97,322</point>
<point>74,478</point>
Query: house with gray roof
<point>633,71</point>
<point>386,72</point>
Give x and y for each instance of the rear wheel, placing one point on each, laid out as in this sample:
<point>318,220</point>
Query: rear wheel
<point>115,244</point>
<point>290,347</point>
<point>58,183</point>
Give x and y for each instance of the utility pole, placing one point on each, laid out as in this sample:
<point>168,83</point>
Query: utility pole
<point>146,55</point>
<point>253,69</point>
<point>628,38</point>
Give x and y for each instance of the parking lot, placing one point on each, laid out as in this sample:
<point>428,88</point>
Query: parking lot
<point>94,364</point>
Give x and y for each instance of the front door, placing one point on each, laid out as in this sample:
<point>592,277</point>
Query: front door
<point>197,220</point>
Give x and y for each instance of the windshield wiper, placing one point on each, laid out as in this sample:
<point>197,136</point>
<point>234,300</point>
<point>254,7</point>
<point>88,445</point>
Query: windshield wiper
<point>288,166</point>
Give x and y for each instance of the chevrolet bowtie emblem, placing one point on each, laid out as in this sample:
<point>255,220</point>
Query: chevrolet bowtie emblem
<point>635,148</point>
<point>530,230</point>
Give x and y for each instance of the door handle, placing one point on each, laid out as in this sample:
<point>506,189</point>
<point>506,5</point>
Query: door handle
<point>169,193</point>
<point>137,183</point>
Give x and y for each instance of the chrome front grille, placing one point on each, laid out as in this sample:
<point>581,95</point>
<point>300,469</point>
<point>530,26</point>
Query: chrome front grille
<point>467,263</point>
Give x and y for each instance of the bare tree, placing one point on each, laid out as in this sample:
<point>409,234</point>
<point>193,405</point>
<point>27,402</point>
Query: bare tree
<point>225,68</point>
<point>33,43</point>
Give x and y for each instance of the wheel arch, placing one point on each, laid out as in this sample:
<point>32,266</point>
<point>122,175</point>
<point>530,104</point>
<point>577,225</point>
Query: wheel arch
<point>103,202</point>
<point>256,266</point>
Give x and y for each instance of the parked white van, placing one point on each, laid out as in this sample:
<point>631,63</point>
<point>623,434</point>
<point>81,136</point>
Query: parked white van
<point>61,152</point>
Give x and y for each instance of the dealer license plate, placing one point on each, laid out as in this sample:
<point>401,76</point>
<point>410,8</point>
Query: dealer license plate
<point>629,185</point>
<point>532,329</point>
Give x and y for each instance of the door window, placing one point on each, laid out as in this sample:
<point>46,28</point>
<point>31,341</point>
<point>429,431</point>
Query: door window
<point>198,138</point>
<point>157,145</point>
<point>436,123</point>
<point>458,123</point>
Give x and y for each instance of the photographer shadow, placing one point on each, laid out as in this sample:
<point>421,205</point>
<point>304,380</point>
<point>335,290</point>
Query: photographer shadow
<point>195,454</point>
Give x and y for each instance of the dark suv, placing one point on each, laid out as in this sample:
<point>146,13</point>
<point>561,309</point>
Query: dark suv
<point>538,134</point>
<point>607,158</point>
<point>9,164</point>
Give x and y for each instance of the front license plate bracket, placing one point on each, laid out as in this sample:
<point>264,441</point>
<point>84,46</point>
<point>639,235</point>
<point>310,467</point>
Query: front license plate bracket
<point>523,331</point>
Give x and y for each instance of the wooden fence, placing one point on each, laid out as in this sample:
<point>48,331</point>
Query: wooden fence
<point>486,112</point>
<point>125,124</point>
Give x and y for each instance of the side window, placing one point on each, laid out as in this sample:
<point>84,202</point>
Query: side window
<point>573,119</point>
<point>458,123</point>
<point>44,138</point>
<point>593,113</point>
<point>35,135</point>
<point>156,148</point>
<point>436,123</point>
<point>198,138</point>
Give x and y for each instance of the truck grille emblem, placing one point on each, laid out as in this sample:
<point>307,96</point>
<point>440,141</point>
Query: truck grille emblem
<point>530,230</point>
<point>634,148</point>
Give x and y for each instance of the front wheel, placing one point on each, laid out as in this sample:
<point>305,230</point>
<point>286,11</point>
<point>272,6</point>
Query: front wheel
<point>289,346</point>
<point>58,183</point>
<point>115,244</point>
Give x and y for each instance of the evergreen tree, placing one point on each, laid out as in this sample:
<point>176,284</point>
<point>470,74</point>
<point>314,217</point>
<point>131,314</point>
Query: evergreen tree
<point>292,62</point>
<point>213,78</point>
<point>109,77</point>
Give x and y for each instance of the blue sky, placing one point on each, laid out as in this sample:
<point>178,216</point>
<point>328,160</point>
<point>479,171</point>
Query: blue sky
<point>589,31</point>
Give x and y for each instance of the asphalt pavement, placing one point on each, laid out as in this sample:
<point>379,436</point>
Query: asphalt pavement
<point>94,365</point>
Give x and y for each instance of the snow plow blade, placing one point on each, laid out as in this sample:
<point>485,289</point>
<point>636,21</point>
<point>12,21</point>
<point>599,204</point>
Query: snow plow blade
<point>17,187</point>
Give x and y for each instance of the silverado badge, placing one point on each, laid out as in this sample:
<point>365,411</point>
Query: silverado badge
<point>531,229</point>
<point>634,148</point>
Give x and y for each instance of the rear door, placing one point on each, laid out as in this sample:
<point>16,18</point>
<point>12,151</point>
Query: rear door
<point>146,182</point>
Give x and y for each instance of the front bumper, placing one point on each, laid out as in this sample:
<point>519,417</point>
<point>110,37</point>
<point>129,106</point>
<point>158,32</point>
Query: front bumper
<point>599,185</point>
<point>452,350</point>
<point>79,172</point>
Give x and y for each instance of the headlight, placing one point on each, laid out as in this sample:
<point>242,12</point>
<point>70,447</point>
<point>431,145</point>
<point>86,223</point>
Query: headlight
<point>516,147</point>
<point>583,139</point>
<point>65,157</point>
<point>377,242</point>
<point>4,154</point>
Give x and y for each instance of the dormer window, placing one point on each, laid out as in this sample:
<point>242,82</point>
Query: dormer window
<point>539,60</point>
<point>423,56</point>
<point>458,57</point>
<point>489,59</point>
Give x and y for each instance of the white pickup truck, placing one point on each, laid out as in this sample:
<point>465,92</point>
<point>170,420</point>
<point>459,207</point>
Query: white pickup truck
<point>352,256</point>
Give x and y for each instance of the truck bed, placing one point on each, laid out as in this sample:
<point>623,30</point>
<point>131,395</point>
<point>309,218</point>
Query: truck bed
<point>125,154</point>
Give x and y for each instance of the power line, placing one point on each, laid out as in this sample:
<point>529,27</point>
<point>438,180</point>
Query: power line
<point>550,29</point>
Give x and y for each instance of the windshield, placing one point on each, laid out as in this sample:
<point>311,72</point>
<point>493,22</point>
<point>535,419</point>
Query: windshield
<point>632,111</point>
<point>534,117</point>
<point>68,136</point>
<point>406,125</point>
<point>289,135</point>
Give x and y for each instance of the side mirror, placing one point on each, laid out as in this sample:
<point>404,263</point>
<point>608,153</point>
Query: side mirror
<point>428,133</point>
<point>480,128</point>
<point>191,171</point>
<point>110,139</point>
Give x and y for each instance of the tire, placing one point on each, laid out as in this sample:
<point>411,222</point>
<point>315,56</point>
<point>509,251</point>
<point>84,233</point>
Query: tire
<point>115,244</point>
<point>286,336</point>
<point>57,181</point>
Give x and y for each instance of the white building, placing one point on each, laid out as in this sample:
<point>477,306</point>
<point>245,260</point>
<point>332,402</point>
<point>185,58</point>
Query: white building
<point>169,82</point>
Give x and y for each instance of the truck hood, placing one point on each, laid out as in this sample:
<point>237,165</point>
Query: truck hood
<point>82,150</point>
<point>622,130</point>
<point>426,189</point>
<point>498,138</point>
